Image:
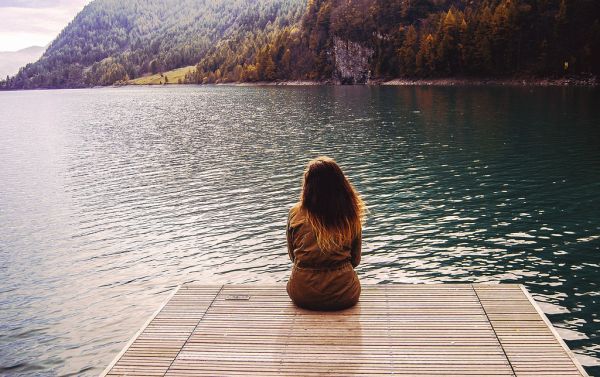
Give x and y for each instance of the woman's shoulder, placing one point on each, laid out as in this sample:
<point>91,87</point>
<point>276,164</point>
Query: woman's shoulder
<point>295,215</point>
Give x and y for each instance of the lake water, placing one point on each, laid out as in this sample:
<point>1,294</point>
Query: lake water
<point>109,198</point>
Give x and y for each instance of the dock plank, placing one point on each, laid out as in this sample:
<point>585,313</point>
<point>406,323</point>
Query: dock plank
<point>419,330</point>
<point>531,344</point>
<point>156,345</point>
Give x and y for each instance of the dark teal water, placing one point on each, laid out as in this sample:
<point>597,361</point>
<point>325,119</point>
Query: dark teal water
<point>109,198</point>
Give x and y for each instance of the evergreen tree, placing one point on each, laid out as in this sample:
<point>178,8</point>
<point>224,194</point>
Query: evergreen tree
<point>447,48</point>
<point>408,51</point>
<point>425,60</point>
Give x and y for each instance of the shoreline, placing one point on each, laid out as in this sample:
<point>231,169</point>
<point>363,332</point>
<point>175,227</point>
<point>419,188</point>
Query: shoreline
<point>589,82</point>
<point>543,82</point>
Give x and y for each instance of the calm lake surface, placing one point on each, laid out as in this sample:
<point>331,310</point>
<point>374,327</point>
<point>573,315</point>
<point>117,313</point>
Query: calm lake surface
<point>109,198</point>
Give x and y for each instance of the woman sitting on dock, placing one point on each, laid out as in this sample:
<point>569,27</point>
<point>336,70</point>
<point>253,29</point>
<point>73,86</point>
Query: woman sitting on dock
<point>324,239</point>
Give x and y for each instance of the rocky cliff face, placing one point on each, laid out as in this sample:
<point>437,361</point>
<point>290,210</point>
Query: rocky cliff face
<point>351,61</point>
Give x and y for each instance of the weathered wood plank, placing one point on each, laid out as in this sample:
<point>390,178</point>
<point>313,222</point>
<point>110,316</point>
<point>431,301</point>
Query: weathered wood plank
<point>449,329</point>
<point>528,339</point>
<point>153,349</point>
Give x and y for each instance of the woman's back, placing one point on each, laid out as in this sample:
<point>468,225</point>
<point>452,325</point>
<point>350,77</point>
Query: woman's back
<point>306,251</point>
<point>320,280</point>
<point>324,239</point>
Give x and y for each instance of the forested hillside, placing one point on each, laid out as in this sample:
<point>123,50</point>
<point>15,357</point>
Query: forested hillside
<point>419,38</point>
<point>344,41</point>
<point>115,40</point>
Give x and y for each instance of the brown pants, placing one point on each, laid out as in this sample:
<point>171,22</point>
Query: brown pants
<point>324,289</point>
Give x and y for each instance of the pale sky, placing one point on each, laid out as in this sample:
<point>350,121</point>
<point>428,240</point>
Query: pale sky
<point>34,22</point>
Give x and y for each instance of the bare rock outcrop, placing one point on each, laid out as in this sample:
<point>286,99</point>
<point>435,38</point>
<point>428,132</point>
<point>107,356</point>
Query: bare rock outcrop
<point>351,61</point>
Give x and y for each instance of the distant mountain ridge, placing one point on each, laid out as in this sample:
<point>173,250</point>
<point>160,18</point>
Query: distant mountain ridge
<point>116,40</point>
<point>11,61</point>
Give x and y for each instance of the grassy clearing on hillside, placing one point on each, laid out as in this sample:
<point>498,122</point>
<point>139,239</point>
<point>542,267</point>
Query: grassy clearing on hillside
<point>175,76</point>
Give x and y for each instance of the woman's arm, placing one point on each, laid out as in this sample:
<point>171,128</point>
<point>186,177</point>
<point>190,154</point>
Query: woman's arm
<point>289,235</point>
<point>356,250</point>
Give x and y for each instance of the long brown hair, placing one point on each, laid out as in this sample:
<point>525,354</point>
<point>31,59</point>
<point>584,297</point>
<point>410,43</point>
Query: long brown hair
<point>331,204</point>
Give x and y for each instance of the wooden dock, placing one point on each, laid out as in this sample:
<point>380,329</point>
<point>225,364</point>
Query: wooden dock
<point>437,329</point>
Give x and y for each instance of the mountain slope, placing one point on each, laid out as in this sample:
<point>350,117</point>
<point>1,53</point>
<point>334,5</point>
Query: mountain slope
<point>113,40</point>
<point>11,61</point>
<point>344,41</point>
<point>351,41</point>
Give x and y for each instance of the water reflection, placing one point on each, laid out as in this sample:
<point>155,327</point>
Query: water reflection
<point>109,198</point>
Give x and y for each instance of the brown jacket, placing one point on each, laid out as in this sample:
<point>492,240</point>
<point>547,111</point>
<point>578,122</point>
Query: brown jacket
<point>320,280</point>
